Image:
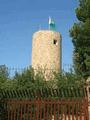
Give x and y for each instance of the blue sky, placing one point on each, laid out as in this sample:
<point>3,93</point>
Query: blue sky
<point>19,19</point>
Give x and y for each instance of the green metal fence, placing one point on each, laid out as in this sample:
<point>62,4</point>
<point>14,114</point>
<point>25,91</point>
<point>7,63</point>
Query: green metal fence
<point>43,93</point>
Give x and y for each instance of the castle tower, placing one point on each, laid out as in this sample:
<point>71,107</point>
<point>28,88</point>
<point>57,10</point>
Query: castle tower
<point>46,49</point>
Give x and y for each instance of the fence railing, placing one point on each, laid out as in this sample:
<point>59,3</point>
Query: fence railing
<point>43,93</point>
<point>47,109</point>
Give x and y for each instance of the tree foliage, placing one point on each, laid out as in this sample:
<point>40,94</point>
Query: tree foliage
<point>3,75</point>
<point>29,79</point>
<point>80,33</point>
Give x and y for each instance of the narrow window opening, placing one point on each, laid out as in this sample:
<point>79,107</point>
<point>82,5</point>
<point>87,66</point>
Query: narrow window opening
<point>55,42</point>
<point>89,90</point>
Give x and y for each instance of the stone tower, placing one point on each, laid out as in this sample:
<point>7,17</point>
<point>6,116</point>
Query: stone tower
<point>46,50</point>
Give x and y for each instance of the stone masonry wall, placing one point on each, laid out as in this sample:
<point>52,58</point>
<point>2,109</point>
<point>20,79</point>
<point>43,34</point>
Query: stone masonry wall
<point>46,50</point>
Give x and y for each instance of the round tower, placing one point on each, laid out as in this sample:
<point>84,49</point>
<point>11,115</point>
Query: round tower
<point>46,50</point>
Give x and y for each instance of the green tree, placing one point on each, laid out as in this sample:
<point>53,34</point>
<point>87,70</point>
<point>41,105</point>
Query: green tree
<point>3,75</point>
<point>80,33</point>
<point>24,79</point>
<point>3,71</point>
<point>29,79</point>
